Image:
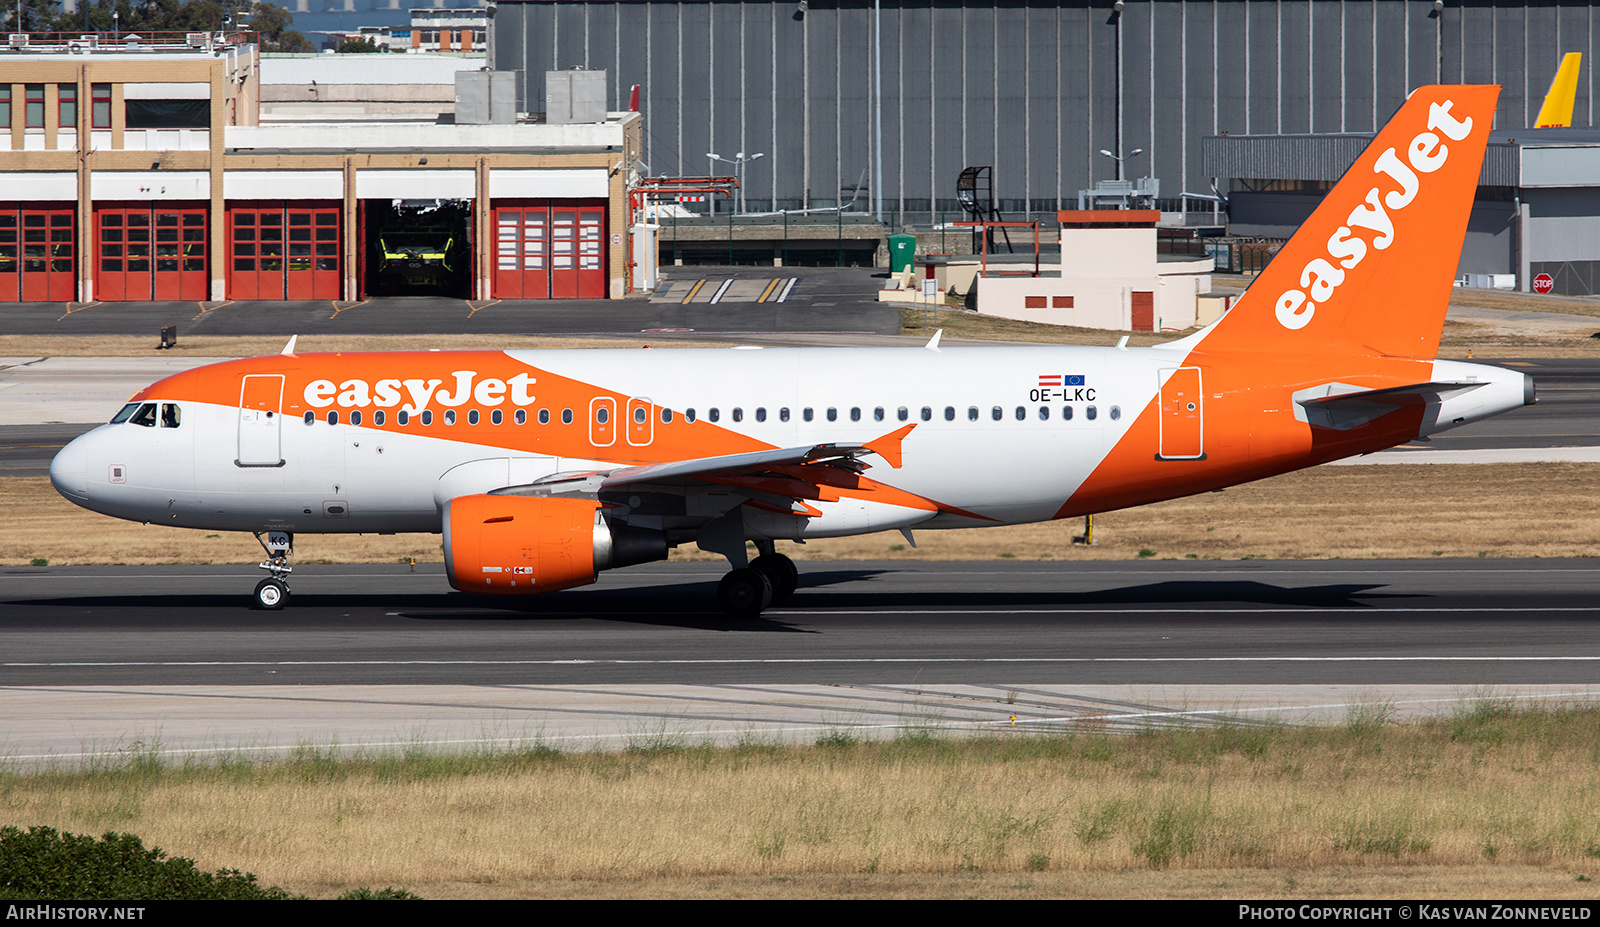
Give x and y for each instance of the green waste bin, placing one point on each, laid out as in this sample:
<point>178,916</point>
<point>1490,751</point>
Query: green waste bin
<point>902,252</point>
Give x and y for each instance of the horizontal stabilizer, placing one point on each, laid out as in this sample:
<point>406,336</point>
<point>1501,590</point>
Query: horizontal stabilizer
<point>1341,406</point>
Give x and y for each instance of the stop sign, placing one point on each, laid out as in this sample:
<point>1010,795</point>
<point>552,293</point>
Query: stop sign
<point>1543,283</point>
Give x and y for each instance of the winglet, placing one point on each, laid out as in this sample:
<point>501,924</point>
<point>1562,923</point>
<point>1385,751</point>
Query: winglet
<point>933,343</point>
<point>289,348</point>
<point>888,446</point>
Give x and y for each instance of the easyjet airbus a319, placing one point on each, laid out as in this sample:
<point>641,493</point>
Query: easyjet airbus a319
<point>542,468</point>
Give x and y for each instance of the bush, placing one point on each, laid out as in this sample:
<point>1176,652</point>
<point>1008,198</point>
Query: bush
<point>46,864</point>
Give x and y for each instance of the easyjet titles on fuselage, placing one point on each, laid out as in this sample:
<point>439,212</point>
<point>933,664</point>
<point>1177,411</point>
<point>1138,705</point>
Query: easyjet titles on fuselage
<point>388,393</point>
<point>1321,277</point>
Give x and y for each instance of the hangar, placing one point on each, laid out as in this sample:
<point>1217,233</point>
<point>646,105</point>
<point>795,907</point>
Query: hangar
<point>138,168</point>
<point>896,97</point>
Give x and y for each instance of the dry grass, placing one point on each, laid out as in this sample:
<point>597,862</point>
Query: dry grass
<point>1457,510</point>
<point>1483,803</point>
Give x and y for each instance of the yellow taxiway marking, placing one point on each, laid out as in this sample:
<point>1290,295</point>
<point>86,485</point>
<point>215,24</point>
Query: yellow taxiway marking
<point>693,290</point>
<point>768,291</point>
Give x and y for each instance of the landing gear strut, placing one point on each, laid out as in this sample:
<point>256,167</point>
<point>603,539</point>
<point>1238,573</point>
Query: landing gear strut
<point>747,591</point>
<point>273,593</point>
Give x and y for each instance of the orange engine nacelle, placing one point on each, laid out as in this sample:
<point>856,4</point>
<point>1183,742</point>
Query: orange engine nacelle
<point>519,544</point>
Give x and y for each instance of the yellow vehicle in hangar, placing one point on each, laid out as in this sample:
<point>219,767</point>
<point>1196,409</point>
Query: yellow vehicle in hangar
<point>415,257</point>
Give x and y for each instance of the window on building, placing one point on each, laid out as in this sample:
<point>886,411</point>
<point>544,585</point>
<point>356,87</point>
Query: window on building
<point>100,106</point>
<point>5,106</point>
<point>35,107</point>
<point>167,114</point>
<point>67,105</point>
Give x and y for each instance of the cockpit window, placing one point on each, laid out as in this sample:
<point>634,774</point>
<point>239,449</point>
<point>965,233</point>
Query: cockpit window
<point>123,413</point>
<point>171,415</point>
<point>146,415</point>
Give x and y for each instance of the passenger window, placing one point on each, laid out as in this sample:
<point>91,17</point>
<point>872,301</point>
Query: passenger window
<point>128,410</point>
<point>972,413</point>
<point>522,417</point>
<point>996,413</point>
<point>640,415</point>
<point>170,415</point>
<point>877,414</point>
<point>927,413</point>
<point>855,413</point>
<point>688,416</point>
<point>714,414</point>
<point>903,413</point>
<point>402,417</point>
<point>566,416</point>
<point>495,417</point>
<point>833,414</point>
<point>949,413</point>
<point>1044,413</point>
<point>333,417</point>
<point>146,415</point>
<point>544,416</point>
<point>377,417</point>
<point>450,416</point>
<point>806,413</point>
<point>355,417</point>
<point>1022,414</point>
<point>1066,413</point>
<point>310,416</point>
<point>761,413</point>
<point>600,415</point>
<point>1116,413</point>
<point>472,417</point>
<point>783,414</point>
<point>427,416</point>
<point>738,414</point>
<point>1088,413</point>
<point>666,416</point>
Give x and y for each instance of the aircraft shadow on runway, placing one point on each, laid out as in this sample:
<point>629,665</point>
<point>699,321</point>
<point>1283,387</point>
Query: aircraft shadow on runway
<point>685,605</point>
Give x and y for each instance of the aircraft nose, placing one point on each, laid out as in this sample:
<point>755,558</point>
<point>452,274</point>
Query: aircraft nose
<point>69,471</point>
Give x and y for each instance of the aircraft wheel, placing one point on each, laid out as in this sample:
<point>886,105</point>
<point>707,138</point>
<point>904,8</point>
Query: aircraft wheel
<point>781,572</point>
<point>744,593</point>
<point>271,594</point>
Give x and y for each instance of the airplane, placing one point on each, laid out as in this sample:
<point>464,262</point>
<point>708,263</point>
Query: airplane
<point>542,468</point>
<point>1556,113</point>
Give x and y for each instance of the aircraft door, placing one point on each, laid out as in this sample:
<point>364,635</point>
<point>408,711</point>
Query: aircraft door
<point>603,421</point>
<point>260,421</point>
<point>1182,415</point>
<point>641,427</point>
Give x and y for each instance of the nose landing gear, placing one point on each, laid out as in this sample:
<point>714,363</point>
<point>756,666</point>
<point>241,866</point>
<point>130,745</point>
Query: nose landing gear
<point>273,593</point>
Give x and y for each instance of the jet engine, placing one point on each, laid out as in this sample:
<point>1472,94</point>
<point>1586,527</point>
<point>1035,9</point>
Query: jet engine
<point>520,545</point>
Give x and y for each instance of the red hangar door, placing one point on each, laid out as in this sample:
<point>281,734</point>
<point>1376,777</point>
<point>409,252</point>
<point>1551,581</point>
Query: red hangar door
<point>549,249</point>
<point>151,251</point>
<point>283,250</point>
<point>38,242</point>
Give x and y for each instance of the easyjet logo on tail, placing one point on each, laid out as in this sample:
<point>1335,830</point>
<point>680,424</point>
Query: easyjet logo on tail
<point>1347,247</point>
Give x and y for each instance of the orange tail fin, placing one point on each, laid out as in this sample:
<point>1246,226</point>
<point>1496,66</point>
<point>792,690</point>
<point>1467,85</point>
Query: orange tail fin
<point>1371,270</point>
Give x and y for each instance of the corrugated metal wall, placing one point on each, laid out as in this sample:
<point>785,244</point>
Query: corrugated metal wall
<point>1035,89</point>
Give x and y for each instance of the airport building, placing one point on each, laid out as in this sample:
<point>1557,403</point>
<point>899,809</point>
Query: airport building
<point>141,169</point>
<point>889,100</point>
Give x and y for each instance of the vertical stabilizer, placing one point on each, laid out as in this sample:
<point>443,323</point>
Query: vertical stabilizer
<point>1372,269</point>
<point>1557,110</point>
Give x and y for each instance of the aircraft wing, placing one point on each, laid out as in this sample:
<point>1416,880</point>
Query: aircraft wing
<point>819,458</point>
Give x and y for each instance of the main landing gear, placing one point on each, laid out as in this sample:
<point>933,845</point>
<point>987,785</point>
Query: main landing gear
<point>746,592</point>
<point>273,593</point>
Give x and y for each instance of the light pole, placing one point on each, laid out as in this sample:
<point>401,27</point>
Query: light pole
<point>1133,154</point>
<point>738,162</point>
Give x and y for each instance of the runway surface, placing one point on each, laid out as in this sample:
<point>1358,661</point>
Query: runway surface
<point>98,658</point>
